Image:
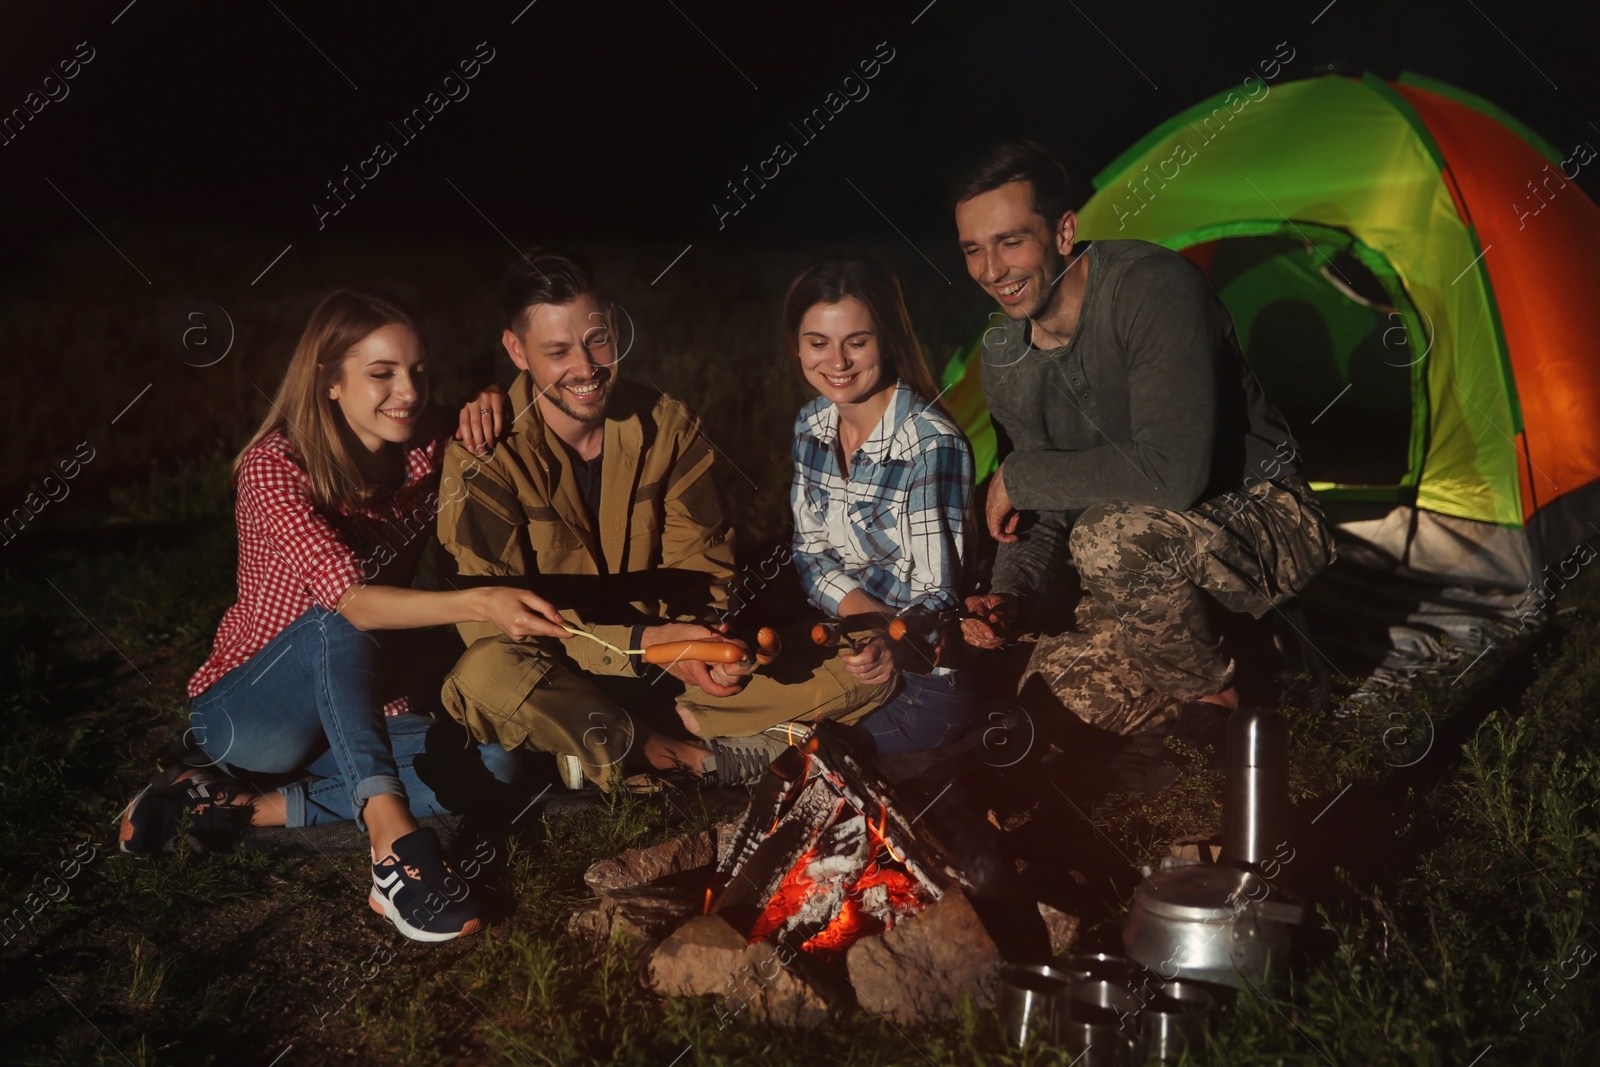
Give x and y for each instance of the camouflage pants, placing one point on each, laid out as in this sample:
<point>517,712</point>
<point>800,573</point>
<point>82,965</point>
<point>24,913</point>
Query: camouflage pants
<point>1142,642</point>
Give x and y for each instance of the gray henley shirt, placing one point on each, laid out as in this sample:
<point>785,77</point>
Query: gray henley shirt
<point>1149,402</point>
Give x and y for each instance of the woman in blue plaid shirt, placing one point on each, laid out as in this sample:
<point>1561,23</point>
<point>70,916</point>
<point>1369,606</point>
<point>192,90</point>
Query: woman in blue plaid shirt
<point>882,488</point>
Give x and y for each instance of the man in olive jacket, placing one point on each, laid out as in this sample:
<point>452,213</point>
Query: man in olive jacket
<point>600,498</point>
<point>1135,441</point>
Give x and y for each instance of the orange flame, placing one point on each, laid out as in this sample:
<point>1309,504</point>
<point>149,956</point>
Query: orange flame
<point>879,831</point>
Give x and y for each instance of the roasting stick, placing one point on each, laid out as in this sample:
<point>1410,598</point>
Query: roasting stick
<point>578,632</point>
<point>853,631</point>
<point>704,651</point>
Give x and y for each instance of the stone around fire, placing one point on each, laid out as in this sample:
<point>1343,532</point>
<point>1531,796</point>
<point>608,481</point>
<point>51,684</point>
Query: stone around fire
<point>646,913</point>
<point>1062,927</point>
<point>707,957</point>
<point>917,972</point>
<point>637,866</point>
<point>697,959</point>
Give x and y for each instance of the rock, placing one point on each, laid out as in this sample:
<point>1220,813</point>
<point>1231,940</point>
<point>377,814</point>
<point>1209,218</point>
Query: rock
<point>701,957</point>
<point>637,866</point>
<point>588,924</point>
<point>917,972</point>
<point>1200,848</point>
<point>707,956</point>
<point>777,993</point>
<point>648,913</point>
<point>1062,927</point>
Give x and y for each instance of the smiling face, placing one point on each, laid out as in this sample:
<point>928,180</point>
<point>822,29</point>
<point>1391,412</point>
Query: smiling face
<point>839,353</point>
<point>571,354</point>
<point>1011,250</point>
<point>383,386</point>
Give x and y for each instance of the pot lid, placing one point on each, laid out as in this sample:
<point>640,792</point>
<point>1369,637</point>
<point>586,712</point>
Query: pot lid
<point>1200,892</point>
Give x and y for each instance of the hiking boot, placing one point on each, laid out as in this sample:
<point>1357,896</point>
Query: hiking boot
<point>1146,763</point>
<point>1201,724</point>
<point>1143,764</point>
<point>419,892</point>
<point>744,760</point>
<point>152,820</point>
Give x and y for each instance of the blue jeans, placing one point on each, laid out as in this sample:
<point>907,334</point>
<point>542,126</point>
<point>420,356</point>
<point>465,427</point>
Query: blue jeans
<point>311,703</point>
<point>930,710</point>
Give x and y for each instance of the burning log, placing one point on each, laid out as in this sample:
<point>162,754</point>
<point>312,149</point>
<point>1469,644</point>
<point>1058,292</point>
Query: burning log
<point>824,855</point>
<point>828,891</point>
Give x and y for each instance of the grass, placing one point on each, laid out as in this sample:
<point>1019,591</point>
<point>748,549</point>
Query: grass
<point>1453,893</point>
<point>1444,888</point>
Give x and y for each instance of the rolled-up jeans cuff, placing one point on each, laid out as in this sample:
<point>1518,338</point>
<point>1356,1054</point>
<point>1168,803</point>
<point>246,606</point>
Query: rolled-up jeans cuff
<point>375,786</point>
<point>294,804</point>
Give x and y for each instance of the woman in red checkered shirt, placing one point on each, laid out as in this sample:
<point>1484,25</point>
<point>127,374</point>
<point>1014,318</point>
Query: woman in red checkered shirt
<point>337,496</point>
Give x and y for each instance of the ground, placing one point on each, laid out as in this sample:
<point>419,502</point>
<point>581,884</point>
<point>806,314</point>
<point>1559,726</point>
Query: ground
<point>1448,838</point>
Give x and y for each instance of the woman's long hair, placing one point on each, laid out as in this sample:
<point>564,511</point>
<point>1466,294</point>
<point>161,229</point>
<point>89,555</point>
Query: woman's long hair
<point>305,413</point>
<point>829,281</point>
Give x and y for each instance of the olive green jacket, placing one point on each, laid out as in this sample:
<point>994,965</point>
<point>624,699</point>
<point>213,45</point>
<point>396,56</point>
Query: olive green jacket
<point>662,549</point>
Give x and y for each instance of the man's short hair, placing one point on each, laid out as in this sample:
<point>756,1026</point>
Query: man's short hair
<point>1018,161</point>
<point>544,276</point>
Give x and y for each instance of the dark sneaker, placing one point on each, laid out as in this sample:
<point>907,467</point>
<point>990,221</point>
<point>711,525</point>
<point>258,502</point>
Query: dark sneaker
<point>743,760</point>
<point>419,892</point>
<point>152,820</point>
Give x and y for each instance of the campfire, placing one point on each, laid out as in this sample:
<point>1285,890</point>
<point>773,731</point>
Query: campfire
<point>827,892</point>
<point>823,857</point>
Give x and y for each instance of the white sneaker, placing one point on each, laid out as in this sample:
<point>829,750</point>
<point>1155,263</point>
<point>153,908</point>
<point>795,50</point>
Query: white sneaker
<point>571,768</point>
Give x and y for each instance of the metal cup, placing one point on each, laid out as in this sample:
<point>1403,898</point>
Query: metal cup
<point>1024,1000</point>
<point>1096,1024</point>
<point>1175,1019</point>
<point>1100,967</point>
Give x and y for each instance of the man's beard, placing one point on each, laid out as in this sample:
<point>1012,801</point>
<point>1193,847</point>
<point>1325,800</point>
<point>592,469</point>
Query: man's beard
<point>1050,276</point>
<point>596,404</point>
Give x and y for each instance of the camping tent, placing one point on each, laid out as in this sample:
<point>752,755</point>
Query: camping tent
<point>1415,278</point>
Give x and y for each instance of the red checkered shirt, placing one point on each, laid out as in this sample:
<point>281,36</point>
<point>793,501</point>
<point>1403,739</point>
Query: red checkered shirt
<point>293,555</point>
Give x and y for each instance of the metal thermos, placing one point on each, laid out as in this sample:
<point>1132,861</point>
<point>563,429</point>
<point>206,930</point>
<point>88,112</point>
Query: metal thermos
<point>1256,798</point>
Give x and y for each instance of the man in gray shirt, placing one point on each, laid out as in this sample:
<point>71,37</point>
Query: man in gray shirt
<point>1134,440</point>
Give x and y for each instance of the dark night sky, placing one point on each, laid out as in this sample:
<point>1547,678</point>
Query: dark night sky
<point>624,120</point>
<point>193,147</point>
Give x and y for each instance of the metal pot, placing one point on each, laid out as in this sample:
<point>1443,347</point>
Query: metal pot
<point>1210,924</point>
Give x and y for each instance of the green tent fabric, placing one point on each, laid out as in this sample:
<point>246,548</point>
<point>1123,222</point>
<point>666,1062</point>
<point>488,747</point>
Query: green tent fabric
<point>1348,153</point>
<point>1412,275</point>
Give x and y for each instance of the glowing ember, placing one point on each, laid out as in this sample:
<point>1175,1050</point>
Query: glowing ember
<point>855,919</point>
<point>850,925</point>
<point>792,893</point>
<point>812,865</point>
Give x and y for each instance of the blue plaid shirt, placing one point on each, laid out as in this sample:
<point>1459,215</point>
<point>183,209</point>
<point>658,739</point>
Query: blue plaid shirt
<point>892,528</point>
